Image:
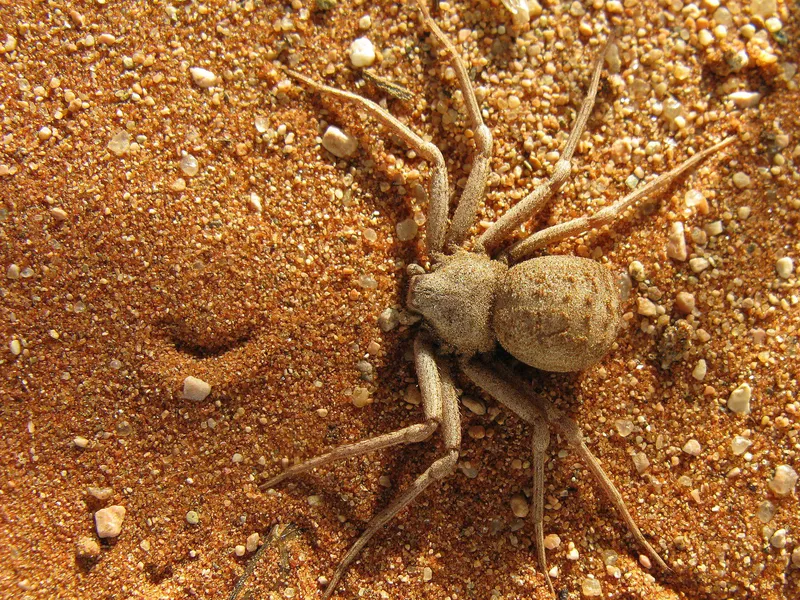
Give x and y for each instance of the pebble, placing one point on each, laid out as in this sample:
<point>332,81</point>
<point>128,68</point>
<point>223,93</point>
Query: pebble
<point>361,397</point>
<point>13,271</point>
<point>763,8</point>
<point>636,270</point>
<point>192,517</point>
<point>254,203</point>
<point>692,447</point>
<point>195,389</point>
<point>645,307</point>
<point>685,302</point>
<point>700,370</point>
<point>765,511</point>
<point>739,445</point>
<point>739,400</point>
<point>519,506</point>
<point>108,521</point>
<point>80,441</point>
<point>474,405</point>
<point>591,587</point>
<point>87,548</point>
<point>101,494</point>
<point>338,142</point>
<point>572,552</point>
<point>189,165</point>
<point>745,99</point>
<point>427,574</point>
<point>778,539</point>
<point>676,242</point>
<point>552,541</point>
<point>742,180</point>
<point>239,550</point>
<point>15,347</point>
<point>202,77</point>
<point>407,230</point>
<point>784,267</point>
<point>641,462</point>
<point>362,52</point>
<point>120,144</point>
<point>644,560</point>
<point>624,427</point>
<point>252,542</point>
<point>784,480</point>
<point>388,319</point>
<point>699,264</point>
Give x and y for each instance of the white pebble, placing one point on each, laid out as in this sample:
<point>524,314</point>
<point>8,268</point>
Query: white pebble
<point>739,445</point>
<point>739,400</point>
<point>361,397</point>
<point>552,541</point>
<point>676,242</point>
<point>742,180</point>
<point>763,8</point>
<point>120,144</point>
<point>784,480</point>
<point>189,165</point>
<point>15,347</point>
<point>203,77</point>
<point>745,99</point>
<point>254,202</point>
<point>699,264</point>
<point>388,319</point>
<point>700,369</point>
<point>692,447</point>
<point>239,550</point>
<point>252,542</point>
<point>427,574</point>
<point>195,389</point>
<point>339,143</point>
<point>778,539</point>
<point>785,267</point>
<point>406,230</point>
<point>80,441</point>
<point>591,587</point>
<point>572,552</point>
<point>108,521</point>
<point>362,52</point>
<point>13,271</point>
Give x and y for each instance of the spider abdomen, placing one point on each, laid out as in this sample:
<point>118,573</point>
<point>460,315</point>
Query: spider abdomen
<point>557,313</point>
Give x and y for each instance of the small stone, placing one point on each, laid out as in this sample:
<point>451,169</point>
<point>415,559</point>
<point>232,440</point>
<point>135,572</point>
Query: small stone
<point>427,574</point>
<point>339,143</point>
<point>641,462</point>
<point>100,493</point>
<point>676,242</point>
<point>591,587</point>
<point>202,77</point>
<point>474,405</point>
<point>108,521</point>
<point>763,8</point>
<point>80,441</point>
<point>59,214</point>
<point>572,552</point>
<point>45,133</point>
<point>645,307</point>
<point>13,271</point>
<point>120,144</point>
<point>361,397</point>
<point>685,303</point>
<point>778,539</point>
<point>624,427</point>
<point>700,369</point>
<point>745,99</point>
<point>195,389</point>
<point>739,400</point>
<point>15,347</point>
<point>784,267</point>
<point>739,445</point>
<point>692,447</point>
<point>239,550</point>
<point>784,480</point>
<point>406,230</point>
<point>192,517</point>
<point>699,264</point>
<point>552,541</point>
<point>254,202</point>
<point>252,542</point>
<point>765,511</point>
<point>189,165</point>
<point>742,180</point>
<point>87,549</point>
<point>644,560</point>
<point>362,53</point>
<point>636,270</point>
<point>519,506</point>
<point>388,319</point>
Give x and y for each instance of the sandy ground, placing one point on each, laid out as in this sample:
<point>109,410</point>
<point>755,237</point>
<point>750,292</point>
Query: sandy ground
<point>126,268</point>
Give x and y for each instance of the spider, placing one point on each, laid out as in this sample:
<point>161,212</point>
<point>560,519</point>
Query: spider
<point>553,313</point>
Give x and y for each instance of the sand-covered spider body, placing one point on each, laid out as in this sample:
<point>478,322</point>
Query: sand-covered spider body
<point>554,313</point>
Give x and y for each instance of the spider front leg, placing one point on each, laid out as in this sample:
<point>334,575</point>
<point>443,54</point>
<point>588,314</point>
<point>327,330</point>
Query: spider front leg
<point>438,202</point>
<point>440,404</point>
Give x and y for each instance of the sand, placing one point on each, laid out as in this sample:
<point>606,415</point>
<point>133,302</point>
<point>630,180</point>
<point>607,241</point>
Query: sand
<point>158,223</point>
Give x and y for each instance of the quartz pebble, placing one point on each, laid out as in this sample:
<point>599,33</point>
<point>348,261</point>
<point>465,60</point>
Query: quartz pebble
<point>252,542</point>
<point>796,557</point>
<point>641,462</point>
<point>519,506</point>
<point>361,397</point>
<point>552,541</point>
<point>108,521</point>
<point>778,539</point>
<point>407,230</point>
<point>338,142</point>
<point>87,549</point>
<point>739,445</point>
<point>388,319</point>
<point>784,480</point>
<point>765,511</point>
<point>692,447</point>
<point>120,143</point>
<point>676,242</point>
<point>685,302</point>
<point>739,400</point>
<point>80,441</point>
<point>742,180</point>
<point>591,587</point>
<point>239,550</point>
<point>195,389</point>
<point>784,267</point>
<point>15,347</point>
<point>700,369</point>
<point>572,552</point>
<point>202,77</point>
<point>192,517</point>
<point>745,99</point>
<point>362,52</point>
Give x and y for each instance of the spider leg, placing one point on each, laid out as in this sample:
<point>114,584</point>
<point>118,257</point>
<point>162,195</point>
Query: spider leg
<point>512,392</point>
<point>523,249</point>
<point>439,187</point>
<point>441,468</point>
<point>541,440</point>
<point>535,201</point>
<point>476,182</point>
